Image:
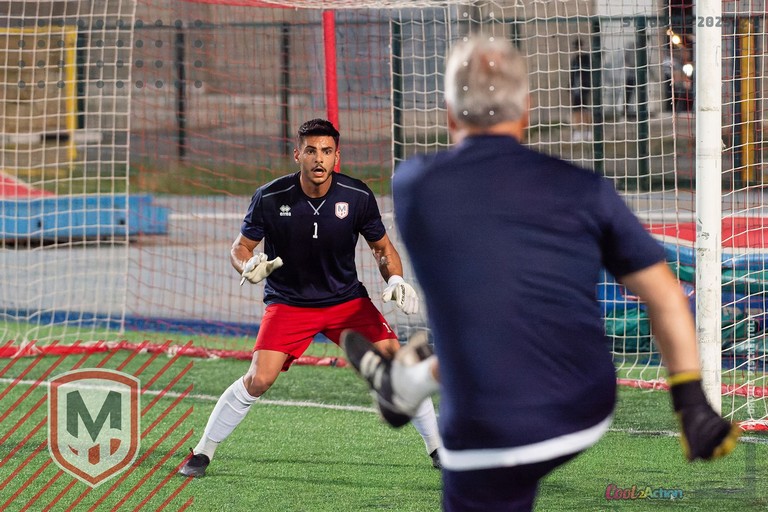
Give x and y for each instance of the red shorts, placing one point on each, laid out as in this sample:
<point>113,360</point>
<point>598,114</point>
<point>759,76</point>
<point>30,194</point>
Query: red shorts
<point>290,329</point>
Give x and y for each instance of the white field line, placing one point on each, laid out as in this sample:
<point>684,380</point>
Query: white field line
<point>357,408</point>
<point>211,398</point>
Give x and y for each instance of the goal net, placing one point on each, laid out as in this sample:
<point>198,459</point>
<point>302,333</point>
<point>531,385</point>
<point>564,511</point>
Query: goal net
<point>65,215</point>
<point>205,97</point>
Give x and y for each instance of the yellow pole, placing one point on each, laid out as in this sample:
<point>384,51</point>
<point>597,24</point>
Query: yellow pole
<point>70,90</point>
<point>747,102</point>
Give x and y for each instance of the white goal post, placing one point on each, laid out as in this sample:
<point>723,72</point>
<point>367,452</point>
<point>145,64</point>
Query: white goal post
<point>708,202</point>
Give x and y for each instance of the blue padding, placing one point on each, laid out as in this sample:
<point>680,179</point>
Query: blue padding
<point>131,323</point>
<point>182,326</point>
<point>687,256</point>
<point>85,216</point>
<point>610,294</point>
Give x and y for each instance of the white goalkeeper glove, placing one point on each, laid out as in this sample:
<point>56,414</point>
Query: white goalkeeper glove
<point>403,294</point>
<point>258,268</point>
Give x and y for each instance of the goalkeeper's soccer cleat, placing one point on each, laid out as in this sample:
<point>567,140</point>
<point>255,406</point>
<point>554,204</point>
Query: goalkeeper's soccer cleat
<point>704,434</point>
<point>376,369</point>
<point>195,465</point>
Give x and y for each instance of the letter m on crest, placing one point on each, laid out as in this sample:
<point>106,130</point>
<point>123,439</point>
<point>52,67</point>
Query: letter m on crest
<point>93,423</point>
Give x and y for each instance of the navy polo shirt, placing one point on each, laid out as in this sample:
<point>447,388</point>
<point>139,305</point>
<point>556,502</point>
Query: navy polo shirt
<point>507,244</point>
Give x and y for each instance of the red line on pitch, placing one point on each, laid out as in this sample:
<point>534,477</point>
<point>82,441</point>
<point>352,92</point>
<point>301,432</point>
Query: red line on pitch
<point>62,493</point>
<point>7,344</point>
<point>166,411</point>
<point>167,365</point>
<point>157,420</point>
<point>86,357</point>
<point>173,474</point>
<point>110,354</point>
<point>186,505</point>
<point>34,430</point>
<point>121,366</point>
<point>151,472</point>
<point>135,466</point>
<point>167,388</point>
<point>29,368</point>
<point>14,360</point>
<point>23,374</point>
<point>151,360</point>
<point>40,380</point>
<point>44,488</point>
<point>142,458</point>
<point>23,419</point>
<point>170,498</point>
<point>29,481</point>
<point>30,412</point>
<point>74,481</point>
<point>21,444</point>
<point>107,357</point>
<point>16,404</point>
<point>132,355</point>
<point>23,464</point>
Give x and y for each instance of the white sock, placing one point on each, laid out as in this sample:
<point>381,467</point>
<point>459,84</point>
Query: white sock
<point>425,422</point>
<point>229,411</point>
<point>414,383</point>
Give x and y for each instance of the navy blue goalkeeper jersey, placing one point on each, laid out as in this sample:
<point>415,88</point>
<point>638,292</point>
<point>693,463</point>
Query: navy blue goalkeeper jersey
<point>315,237</point>
<point>508,246</point>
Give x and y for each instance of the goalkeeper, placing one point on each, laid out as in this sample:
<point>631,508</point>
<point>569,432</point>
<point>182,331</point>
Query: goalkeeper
<point>310,222</point>
<point>508,246</point>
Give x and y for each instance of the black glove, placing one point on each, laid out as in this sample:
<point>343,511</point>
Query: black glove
<point>704,434</point>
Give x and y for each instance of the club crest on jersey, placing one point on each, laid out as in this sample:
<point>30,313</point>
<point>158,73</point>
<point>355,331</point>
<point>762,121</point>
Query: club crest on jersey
<point>342,210</point>
<point>93,423</point>
<point>285,211</point>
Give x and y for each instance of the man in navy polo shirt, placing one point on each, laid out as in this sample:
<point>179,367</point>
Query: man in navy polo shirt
<point>310,222</point>
<point>508,244</point>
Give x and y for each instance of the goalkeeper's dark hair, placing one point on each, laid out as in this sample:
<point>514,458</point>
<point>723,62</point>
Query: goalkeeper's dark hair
<point>317,127</point>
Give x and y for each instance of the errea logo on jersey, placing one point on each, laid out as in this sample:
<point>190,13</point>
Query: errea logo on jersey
<point>285,211</point>
<point>342,210</point>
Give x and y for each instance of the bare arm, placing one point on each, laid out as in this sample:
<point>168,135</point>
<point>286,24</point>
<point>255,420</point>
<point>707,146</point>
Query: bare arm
<point>671,318</point>
<point>704,434</point>
<point>242,251</point>
<point>387,257</point>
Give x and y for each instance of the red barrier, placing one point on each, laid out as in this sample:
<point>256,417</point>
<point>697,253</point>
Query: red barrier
<point>32,349</point>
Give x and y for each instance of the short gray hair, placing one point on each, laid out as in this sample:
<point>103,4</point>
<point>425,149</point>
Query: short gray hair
<point>486,82</point>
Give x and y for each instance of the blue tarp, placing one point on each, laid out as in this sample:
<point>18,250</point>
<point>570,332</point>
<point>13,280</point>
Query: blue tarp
<point>82,216</point>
